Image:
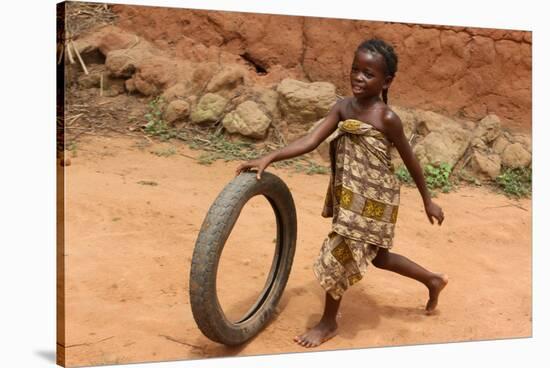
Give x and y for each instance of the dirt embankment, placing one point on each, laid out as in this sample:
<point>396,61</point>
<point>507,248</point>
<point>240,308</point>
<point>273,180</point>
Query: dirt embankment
<point>456,71</point>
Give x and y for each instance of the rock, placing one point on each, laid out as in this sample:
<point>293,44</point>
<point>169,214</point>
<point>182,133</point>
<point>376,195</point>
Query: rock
<point>154,74</point>
<point>514,156</point>
<point>268,98</point>
<point>178,91</point>
<point>469,125</point>
<point>408,118</point>
<point>112,38</point>
<point>442,147</point>
<point>145,87</point>
<point>485,166</point>
<point>113,86</point>
<point>192,100</point>
<point>85,45</point>
<point>303,103</point>
<point>120,63</point>
<point>201,76</point>
<point>444,139</point>
<point>500,143</point>
<point>130,85</point>
<point>226,80</point>
<point>176,109</point>
<point>523,139</point>
<point>429,121</point>
<point>89,81</point>
<point>478,143</point>
<point>488,129</point>
<point>209,109</point>
<point>247,119</point>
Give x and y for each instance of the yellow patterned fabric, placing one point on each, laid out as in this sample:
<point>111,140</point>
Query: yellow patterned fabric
<point>342,262</point>
<point>363,201</point>
<point>363,193</point>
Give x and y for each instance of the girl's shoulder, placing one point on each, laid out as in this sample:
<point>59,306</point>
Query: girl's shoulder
<point>390,116</point>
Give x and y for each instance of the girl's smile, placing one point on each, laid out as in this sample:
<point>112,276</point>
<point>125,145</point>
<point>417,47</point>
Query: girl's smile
<point>368,74</point>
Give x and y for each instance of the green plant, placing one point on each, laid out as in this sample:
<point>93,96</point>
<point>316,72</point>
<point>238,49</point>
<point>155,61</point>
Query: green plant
<point>217,145</point>
<point>438,177</point>
<point>403,175</point>
<point>165,152</point>
<point>314,168</point>
<point>155,124</point>
<point>464,176</point>
<point>207,158</point>
<point>515,182</point>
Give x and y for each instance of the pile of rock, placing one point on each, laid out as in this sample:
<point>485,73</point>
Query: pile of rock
<point>478,149</point>
<point>209,93</point>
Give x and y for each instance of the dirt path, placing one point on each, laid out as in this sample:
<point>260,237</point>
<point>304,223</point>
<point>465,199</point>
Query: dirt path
<point>132,218</point>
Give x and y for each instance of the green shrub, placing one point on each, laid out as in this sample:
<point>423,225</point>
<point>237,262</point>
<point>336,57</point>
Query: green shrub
<point>438,177</point>
<point>515,182</point>
<point>155,124</point>
<point>403,175</point>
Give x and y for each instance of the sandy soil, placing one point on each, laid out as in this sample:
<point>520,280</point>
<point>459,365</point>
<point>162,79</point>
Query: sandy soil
<point>132,218</point>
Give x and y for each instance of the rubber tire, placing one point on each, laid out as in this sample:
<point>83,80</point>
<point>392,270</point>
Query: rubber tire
<point>215,230</point>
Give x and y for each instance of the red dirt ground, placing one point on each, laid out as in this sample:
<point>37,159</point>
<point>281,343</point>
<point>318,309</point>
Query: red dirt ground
<point>129,248</point>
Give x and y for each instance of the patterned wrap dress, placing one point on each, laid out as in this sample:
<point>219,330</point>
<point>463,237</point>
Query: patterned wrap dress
<point>362,199</point>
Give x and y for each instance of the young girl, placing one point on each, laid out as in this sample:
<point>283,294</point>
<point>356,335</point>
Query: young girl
<point>363,193</point>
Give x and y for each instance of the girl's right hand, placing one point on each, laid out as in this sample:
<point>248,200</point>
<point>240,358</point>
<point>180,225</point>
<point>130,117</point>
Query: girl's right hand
<point>259,163</point>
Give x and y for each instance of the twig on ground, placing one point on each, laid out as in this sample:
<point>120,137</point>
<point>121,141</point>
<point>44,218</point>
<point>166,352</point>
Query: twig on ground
<point>508,205</point>
<point>181,342</point>
<point>69,52</point>
<point>79,58</point>
<point>184,155</point>
<point>72,119</point>
<point>61,51</point>
<point>88,343</point>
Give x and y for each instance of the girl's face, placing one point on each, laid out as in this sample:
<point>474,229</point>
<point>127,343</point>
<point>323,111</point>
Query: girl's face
<point>368,74</point>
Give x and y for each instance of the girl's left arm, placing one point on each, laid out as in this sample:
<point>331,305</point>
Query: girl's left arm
<point>394,132</point>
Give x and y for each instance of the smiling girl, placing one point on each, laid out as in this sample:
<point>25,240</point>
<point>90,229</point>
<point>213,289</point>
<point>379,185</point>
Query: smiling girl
<point>363,193</point>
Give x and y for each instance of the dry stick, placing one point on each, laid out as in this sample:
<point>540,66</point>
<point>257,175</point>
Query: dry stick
<point>101,84</point>
<point>280,134</point>
<point>61,49</point>
<point>69,53</point>
<point>412,138</point>
<point>72,119</point>
<point>135,43</point>
<point>184,155</point>
<point>507,205</point>
<point>79,58</point>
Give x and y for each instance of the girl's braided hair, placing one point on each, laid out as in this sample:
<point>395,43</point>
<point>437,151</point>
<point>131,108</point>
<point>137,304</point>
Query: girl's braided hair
<point>386,50</point>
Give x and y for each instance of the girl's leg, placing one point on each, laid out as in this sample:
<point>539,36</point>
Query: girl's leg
<point>325,329</point>
<point>435,282</point>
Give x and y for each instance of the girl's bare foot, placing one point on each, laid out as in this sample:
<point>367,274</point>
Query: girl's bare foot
<point>318,334</point>
<point>435,285</point>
